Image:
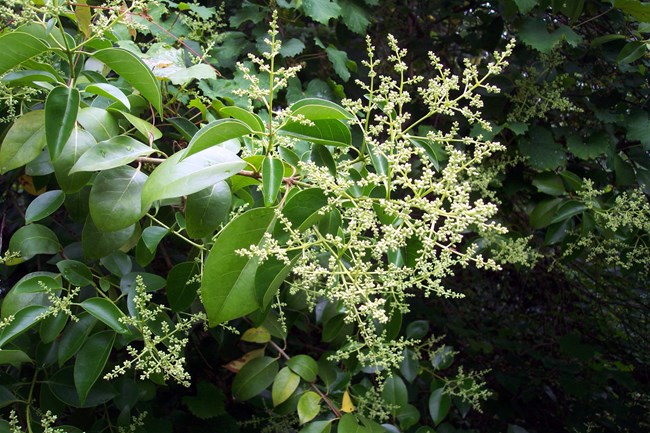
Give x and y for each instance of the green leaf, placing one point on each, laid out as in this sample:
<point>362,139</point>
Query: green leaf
<point>167,63</point>
<point>29,290</point>
<point>439,405</point>
<point>90,362</point>
<point>318,427</point>
<point>535,34</point>
<point>180,291</point>
<point>254,377</point>
<point>568,210</point>
<point>292,47</point>
<point>340,61</point>
<point>97,244</point>
<point>600,40</point>
<point>328,132</point>
<point>175,178</point>
<point>228,289</point>
<point>542,151</point>
<point>596,145</point>
<point>354,16</point>
<point>207,209</point>
<point>284,384</point>
<point>321,10</point>
<point>13,357</point>
<point>51,327</point>
<point>28,78</point>
<point>44,205</point>
<point>61,109</point>
<point>410,366</point>
<point>16,47</point>
<point>152,236</point>
<point>256,335</point>
<point>215,133</point>
<point>112,153</point>
<point>269,277</point>
<point>631,52</point>
<point>134,71</point>
<point>252,120</point>
<point>442,358</point>
<point>108,91</point>
<point>208,402</point>
<point>305,366</point>
<point>34,239</point>
<point>74,337</point>
<point>640,11</point>
<point>105,311</point>
<point>543,213</point>
<point>272,174</point>
<point>147,130</point>
<point>24,141</point>
<point>549,183</point>
<point>24,320</point>
<point>78,143</point>
<point>394,392</point>
<point>115,198</point>
<point>348,424</point>
<point>186,128</point>
<point>308,406</point>
<point>77,273</point>
<point>98,122</point>
<point>525,6</point>
<point>319,109</point>
<point>408,416</point>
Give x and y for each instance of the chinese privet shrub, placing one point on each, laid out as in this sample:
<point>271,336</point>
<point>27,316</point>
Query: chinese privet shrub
<point>184,251</point>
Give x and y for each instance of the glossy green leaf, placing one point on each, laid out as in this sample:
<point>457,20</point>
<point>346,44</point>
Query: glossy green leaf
<point>254,377</point>
<point>284,384</point>
<point>112,153</point>
<point>90,362</point>
<point>24,320</point>
<point>256,335</point>
<point>23,142</point>
<point>410,366</point>
<point>208,403</point>
<point>308,406</point>
<point>318,427</point>
<point>44,205</point>
<point>13,357</point>
<point>272,174</point>
<point>525,6</point>
<point>152,236</point>
<point>34,239</point>
<point>328,132</point>
<point>105,311</point>
<point>175,178</point>
<point>148,132</point>
<point>543,213</point>
<point>549,183</point>
<point>215,133</point>
<point>319,109</point>
<point>62,385</point>
<point>407,416</point>
<point>207,209</point>
<point>322,157</point>
<point>348,424</point>
<point>115,198</point>
<point>29,290</point>
<point>109,91</point>
<point>228,289</point>
<point>186,128</point>
<point>78,143</point>
<point>30,77</point>
<point>74,336</point>
<point>252,120</point>
<point>51,327</point>
<point>269,277</point>
<point>442,358</point>
<point>97,244</point>
<point>61,109</point>
<point>439,405</point>
<point>568,210</point>
<point>129,66</point>
<point>77,273</point>
<point>631,52</point>
<point>16,47</point>
<point>305,366</point>
<point>180,291</point>
<point>99,122</point>
<point>394,392</point>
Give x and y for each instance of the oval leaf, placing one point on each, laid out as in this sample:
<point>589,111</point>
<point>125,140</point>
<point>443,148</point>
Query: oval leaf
<point>24,141</point>
<point>328,132</point>
<point>439,404</point>
<point>285,383</point>
<point>308,406</point>
<point>305,366</point>
<point>182,285</point>
<point>34,239</point>
<point>207,209</point>
<point>254,377</point>
<point>61,109</point>
<point>252,120</point>
<point>78,143</point>
<point>318,109</point>
<point>215,133</point>
<point>44,205</point>
<point>90,362</point>
<point>114,152</point>
<point>109,91</point>
<point>16,47</point>
<point>107,312</point>
<point>115,198</point>
<point>23,321</point>
<point>272,173</point>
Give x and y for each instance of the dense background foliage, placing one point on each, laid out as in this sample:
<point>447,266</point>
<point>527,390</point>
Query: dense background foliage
<point>557,340</point>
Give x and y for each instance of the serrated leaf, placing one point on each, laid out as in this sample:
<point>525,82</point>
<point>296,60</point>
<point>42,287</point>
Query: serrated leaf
<point>167,63</point>
<point>44,205</point>
<point>207,209</point>
<point>128,66</point>
<point>354,16</point>
<point>227,288</point>
<point>542,151</point>
<point>340,61</point>
<point>254,377</point>
<point>292,47</point>
<point>18,47</point>
<point>305,366</point>
<point>594,146</point>
<point>34,239</point>
<point>284,384</point>
<point>90,362</point>
<point>23,142</point>
<point>439,405</point>
<point>107,312</point>
<point>61,109</point>
<point>321,10</point>
<point>112,153</point>
<point>308,406</point>
<point>176,177</point>
<point>115,198</point>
